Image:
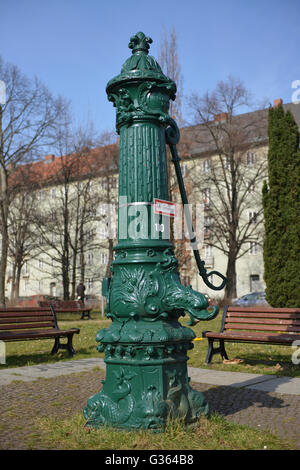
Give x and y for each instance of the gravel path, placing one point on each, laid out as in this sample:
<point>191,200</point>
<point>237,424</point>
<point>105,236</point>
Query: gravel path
<point>66,395</point>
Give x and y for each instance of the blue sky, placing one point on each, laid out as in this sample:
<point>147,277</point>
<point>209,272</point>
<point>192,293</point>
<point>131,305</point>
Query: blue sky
<point>76,46</point>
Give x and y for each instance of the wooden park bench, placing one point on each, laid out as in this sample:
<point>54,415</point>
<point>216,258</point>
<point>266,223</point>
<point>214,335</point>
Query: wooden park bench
<point>26,323</point>
<point>264,325</point>
<point>67,306</point>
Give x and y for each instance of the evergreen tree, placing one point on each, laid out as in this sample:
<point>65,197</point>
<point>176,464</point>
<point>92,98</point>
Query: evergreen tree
<point>281,203</point>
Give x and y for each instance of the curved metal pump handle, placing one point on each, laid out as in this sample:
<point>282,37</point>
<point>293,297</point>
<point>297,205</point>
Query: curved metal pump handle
<point>172,138</point>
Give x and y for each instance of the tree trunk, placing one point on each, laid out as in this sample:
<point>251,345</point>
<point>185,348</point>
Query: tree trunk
<point>17,282</point>
<point>110,257</point>
<point>73,282</point>
<point>4,233</point>
<point>65,278</point>
<point>230,290</point>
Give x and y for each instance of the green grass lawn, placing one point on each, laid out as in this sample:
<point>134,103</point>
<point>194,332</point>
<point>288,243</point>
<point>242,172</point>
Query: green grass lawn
<point>261,359</point>
<point>214,433</point>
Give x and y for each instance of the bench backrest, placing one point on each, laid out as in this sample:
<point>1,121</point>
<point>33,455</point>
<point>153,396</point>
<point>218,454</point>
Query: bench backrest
<point>61,304</point>
<point>262,319</point>
<point>25,318</point>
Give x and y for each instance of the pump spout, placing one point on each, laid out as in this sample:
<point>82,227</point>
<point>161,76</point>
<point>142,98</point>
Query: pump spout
<point>157,293</point>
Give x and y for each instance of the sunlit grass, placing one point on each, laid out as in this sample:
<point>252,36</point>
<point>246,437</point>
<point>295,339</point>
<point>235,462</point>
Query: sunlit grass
<point>210,434</point>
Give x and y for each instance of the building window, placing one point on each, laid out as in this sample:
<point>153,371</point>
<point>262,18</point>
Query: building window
<point>90,258</point>
<point>113,182</point>
<point>206,166</point>
<point>41,195</point>
<point>206,196</point>
<point>41,264</point>
<point>103,183</point>
<point>227,162</point>
<point>254,282</point>
<point>91,234</point>
<point>104,258</point>
<point>208,251</point>
<point>252,217</point>
<point>90,283</point>
<point>207,222</point>
<point>253,250</point>
<point>26,267</point>
<point>250,158</point>
<point>53,193</point>
<point>103,232</point>
<point>207,226</point>
<point>53,289</point>
<point>184,169</point>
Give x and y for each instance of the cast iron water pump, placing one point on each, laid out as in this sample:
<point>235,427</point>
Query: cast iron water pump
<point>146,346</point>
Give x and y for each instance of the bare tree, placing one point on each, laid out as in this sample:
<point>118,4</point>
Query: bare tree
<point>23,240</point>
<point>109,195</point>
<point>231,170</point>
<point>68,227</point>
<point>169,62</point>
<point>25,119</point>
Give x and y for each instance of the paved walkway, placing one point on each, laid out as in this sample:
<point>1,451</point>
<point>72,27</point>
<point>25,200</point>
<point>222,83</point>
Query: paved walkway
<point>266,383</point>
<point>263,402</point>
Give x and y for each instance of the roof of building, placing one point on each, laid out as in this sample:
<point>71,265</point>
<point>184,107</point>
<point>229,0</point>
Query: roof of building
<point>252,126</point>
<point>249,129</point>
<point>57,169</point>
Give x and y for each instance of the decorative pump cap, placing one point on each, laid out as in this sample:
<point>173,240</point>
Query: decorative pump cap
<point>140,42</point>
<point>139,65</point>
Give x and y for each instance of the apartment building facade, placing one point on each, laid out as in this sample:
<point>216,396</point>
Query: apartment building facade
<point>207,173</point>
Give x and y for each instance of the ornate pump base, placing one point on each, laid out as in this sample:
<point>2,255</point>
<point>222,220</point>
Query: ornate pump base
<point>146,346</point>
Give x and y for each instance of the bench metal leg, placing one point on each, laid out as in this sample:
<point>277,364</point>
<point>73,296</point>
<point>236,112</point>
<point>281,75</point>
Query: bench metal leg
<point>222,349</point>
<point>83,314</point>
<point>69,346</point>
<point>56,346</point>
<point>212,351</point>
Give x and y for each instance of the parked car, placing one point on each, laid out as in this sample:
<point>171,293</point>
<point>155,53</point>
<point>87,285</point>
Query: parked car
<point>251,300</point>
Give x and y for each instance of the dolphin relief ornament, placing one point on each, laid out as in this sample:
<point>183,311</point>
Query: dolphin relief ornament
<point>145,346</point>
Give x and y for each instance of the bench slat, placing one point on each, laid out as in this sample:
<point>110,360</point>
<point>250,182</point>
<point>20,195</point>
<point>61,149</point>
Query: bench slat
<point>25,326</point>
<point>24,309</point>
<point>26,314</point>
<point>254,336</point>
<point>30,319</point>
<point>14,335</point>
<point>262,309</point>
<point>264,327</point>
<point>263,321</point>
<point>263,315</point>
